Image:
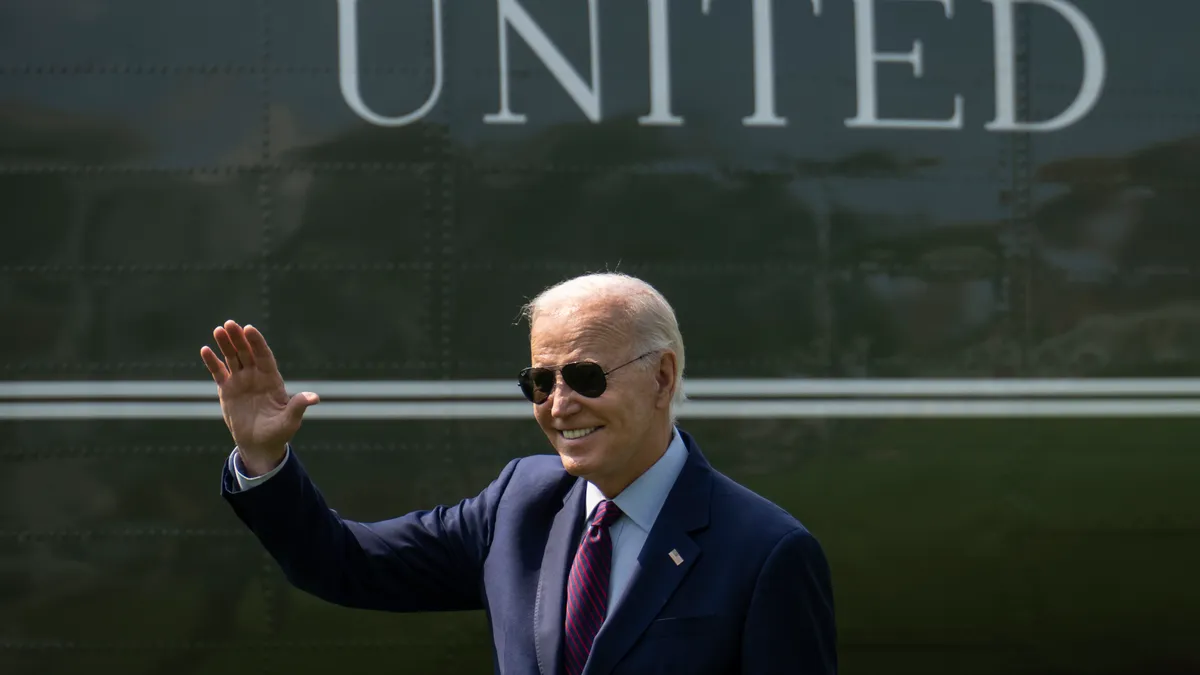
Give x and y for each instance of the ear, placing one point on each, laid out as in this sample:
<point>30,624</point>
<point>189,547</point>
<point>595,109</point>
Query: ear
<point>664,378</point>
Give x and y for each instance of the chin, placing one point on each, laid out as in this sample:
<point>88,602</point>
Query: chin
<point>573,468</point>
<point>579,458</point>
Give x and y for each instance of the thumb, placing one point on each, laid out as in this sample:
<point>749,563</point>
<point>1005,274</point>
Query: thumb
<point>300,402</point>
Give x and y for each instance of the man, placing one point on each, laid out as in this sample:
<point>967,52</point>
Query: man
<point>626,553</point>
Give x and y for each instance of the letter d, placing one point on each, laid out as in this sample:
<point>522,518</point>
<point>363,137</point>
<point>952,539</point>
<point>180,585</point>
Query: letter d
<point>1093,68</point>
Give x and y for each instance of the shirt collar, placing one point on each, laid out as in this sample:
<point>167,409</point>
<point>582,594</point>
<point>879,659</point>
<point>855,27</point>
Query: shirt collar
<point>644,497</point>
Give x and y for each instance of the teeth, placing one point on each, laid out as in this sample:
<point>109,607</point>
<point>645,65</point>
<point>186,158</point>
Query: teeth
<point>572,434</point>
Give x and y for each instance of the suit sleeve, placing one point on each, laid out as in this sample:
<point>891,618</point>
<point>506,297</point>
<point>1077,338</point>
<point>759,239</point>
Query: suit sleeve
<point>790,626</point>
<point>428,560</point>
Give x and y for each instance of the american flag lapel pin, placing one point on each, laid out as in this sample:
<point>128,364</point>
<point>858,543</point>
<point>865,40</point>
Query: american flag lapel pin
<point>678,559</point>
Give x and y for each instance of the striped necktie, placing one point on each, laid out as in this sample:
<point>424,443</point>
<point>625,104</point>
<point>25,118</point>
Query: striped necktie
<point>587,587</point>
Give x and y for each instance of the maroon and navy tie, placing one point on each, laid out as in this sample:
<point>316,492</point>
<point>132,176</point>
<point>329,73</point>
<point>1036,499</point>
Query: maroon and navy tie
<point>587,587</point>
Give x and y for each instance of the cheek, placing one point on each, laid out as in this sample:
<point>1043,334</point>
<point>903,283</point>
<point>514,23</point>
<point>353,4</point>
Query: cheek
<point>629,414</point>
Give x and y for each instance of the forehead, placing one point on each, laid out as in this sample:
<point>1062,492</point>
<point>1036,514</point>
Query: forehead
<point>575,334</point>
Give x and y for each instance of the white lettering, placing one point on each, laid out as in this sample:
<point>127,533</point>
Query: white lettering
<point>586,94</point>
<point>348,66</point>
<point>660,69</point>
<point>867,57</point>
<point>764,70</point>
<point>764,64</point>
<point>511,13</point>
<point>1093,68</point>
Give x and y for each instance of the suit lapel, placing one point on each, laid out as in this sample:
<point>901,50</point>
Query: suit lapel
<point>549,610</point>
<point>658,573</point>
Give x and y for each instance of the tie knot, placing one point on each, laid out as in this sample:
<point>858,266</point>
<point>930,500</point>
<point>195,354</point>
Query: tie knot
<point>607,513</point>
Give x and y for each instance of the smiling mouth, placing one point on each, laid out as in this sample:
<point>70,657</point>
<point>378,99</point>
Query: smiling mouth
<point>572,434</point>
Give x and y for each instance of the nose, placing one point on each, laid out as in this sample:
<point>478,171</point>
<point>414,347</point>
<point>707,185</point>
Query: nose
<point>563,400</point>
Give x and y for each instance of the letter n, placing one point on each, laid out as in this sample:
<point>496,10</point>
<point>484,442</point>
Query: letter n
<point>512,14</point>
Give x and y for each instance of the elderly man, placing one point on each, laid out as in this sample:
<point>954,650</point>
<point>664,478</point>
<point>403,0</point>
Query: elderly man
<point>625,553</point>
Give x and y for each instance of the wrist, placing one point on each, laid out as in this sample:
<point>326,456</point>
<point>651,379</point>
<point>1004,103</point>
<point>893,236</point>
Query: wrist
<point>258,461</point>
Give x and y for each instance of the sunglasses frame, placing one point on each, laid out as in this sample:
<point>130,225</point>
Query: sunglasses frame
<point>526,376</point>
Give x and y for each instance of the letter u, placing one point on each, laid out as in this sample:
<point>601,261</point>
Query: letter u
<point>348,66</point>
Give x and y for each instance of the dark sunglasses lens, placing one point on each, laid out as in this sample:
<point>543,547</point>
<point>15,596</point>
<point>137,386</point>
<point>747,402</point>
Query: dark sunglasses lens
<point>536,384</point>
<point>585,378</point>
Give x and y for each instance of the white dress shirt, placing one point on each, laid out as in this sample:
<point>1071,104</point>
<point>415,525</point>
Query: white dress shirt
<point>640,504</point>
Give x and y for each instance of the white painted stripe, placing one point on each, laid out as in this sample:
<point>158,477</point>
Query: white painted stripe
<point>751,388</point>
<point>924,408</point>
<point>727,388</point>
<point>206,389</point>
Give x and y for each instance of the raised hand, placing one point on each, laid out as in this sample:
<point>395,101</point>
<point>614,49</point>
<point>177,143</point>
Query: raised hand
<point>254,402</point>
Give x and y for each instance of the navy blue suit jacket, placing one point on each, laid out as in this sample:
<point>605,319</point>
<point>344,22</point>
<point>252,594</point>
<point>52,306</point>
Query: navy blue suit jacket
<point>751,595</point>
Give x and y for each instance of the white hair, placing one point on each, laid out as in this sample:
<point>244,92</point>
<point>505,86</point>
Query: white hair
<point>651,316</point>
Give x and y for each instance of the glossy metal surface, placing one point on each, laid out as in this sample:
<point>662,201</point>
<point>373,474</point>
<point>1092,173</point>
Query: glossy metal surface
<point>167,165</point>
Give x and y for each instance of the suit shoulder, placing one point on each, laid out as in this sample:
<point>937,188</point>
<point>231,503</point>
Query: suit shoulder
<point>539,468</point>
<point>757,517</point>
<point>537,476</point>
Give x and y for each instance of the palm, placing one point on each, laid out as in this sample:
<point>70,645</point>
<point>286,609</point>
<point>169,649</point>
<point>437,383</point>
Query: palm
<point>254,401</point>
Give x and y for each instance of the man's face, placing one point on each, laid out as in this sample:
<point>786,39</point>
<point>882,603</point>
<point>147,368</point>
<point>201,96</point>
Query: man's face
<point>624,420</point>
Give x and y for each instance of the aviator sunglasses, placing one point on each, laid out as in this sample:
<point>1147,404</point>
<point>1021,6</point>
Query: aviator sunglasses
<point>584,377</point>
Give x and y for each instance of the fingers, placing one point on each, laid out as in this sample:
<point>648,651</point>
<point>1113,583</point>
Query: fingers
<point>258,347</point>
<point>225,344</point>
<point>242,348</point>
<point>215,366</point>
<point>238,337</point>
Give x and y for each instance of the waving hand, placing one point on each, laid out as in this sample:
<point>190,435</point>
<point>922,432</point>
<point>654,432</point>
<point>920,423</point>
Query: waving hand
<point>254,401</point>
